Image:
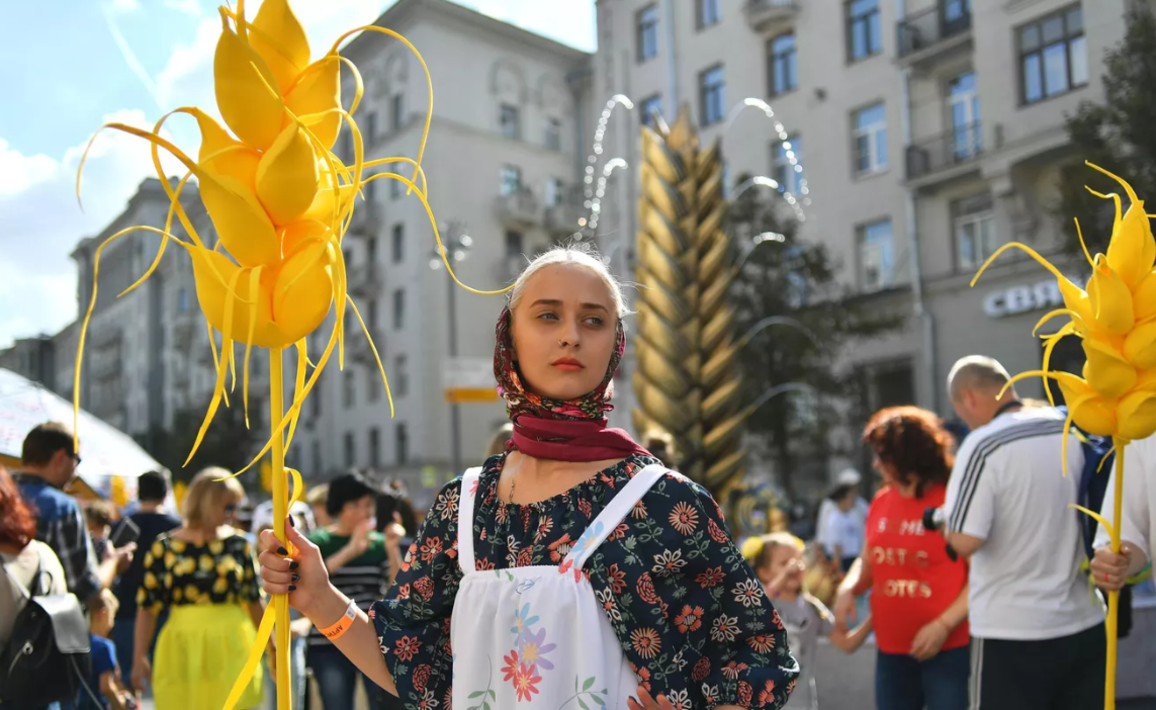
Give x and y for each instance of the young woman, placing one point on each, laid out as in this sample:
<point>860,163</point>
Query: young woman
<point>572,570</point>
<point>202,574</point>
<point>918,593</point>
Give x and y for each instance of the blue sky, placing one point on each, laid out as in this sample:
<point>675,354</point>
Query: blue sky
<point>67,66</point>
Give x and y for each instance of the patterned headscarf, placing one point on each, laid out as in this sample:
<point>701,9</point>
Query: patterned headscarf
<point>519,400</point>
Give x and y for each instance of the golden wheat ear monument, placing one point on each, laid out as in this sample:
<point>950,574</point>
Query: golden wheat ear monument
<point>687,382</point>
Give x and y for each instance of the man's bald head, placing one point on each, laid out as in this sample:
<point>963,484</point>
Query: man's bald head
<point>978,373</point>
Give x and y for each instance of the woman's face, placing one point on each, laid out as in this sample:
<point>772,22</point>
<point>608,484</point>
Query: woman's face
<point>226,512</point>
<point>564,330</point>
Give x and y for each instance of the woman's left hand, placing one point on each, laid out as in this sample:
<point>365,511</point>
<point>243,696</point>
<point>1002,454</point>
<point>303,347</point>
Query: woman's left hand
<point>646,702</point>
<point>929,640</point>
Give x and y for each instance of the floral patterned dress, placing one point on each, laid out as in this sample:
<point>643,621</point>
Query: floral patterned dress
<point>689,614</point>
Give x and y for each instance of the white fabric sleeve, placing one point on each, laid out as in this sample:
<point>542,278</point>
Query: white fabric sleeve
<point>970,501</point>
<point>1139,463</point>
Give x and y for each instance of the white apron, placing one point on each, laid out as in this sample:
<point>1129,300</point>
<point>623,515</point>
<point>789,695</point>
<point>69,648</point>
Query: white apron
<point>536,636</point>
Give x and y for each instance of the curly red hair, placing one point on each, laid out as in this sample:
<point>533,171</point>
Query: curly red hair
<point>17,523</point>
<point>914,443</point>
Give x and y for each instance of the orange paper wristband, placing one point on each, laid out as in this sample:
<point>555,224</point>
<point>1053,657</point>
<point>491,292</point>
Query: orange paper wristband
<point>343,624</point>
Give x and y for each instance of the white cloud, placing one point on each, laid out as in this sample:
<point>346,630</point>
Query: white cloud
<point>188,7</point>
<point>42,222</point>
<point>125,5</point>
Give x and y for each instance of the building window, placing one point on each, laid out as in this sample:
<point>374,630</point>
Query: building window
<point>315,406</point>
<point>787,166</point>
<point>397,238</point>
<point>371,251</point>
<point>509,122</point>
<point>371,315</point>
<point>647,33</point>
<point>973,223</point>
<point>398,309</point>
<point>183,301</point>
<point>350,451</point>
<point>396,189</point>
<point>316,459</point>
<point>511,180</point>
<point>346,149</point>
<point>1053,55</point>
<point>401,374</point>
<point>709,13</point>
<point>712,95</point>
<point>876,256</point>
<point>870,135</point>
<point>371,128</point>
<point>651,107</point>
<point>374,447</point>
<point>348,390</point>
<point>370,190</point>
<point>514,245</point>
<point>401,443</point>
<point>396,111</point>
<point>553,192</point>
<point>781,64</point>
<point>963,100</point>
<point>553,138</point>
<point>864,30</point>
<point>373,385</point>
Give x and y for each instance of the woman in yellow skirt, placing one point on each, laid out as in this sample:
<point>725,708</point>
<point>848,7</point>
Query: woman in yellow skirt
<point>202,574</point>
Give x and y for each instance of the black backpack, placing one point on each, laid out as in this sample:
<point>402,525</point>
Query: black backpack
<point>47,655</point>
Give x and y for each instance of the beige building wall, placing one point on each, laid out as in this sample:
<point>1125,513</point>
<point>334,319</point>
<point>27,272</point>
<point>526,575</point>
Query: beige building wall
<point>968,151</point>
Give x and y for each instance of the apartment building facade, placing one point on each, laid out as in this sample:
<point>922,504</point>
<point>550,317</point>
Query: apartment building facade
<point>929,133</point>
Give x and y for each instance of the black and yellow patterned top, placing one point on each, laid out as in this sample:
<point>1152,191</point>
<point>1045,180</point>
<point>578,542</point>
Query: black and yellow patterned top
<point>179,572</point>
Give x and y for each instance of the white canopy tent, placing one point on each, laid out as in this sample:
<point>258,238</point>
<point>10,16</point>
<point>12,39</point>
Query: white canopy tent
<point>107,454</point>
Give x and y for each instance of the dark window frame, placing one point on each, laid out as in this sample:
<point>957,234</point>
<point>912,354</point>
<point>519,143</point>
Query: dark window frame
<point>850,21</point>
<point>707,118</point>
<point>773,59</point>
<point>641,29</point>
<point>1067,38</point>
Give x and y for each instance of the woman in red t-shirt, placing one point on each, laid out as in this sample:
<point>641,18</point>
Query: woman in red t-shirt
<point>918,593</point>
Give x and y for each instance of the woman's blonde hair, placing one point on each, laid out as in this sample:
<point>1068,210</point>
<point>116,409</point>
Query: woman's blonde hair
<point>210,488</point>
<point>580,255</point>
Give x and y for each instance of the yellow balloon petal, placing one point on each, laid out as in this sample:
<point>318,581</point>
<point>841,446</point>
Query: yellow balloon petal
<point>279,38</point>
<point>330,202</point>
<point>1140,346</point>
<point>298,235</point>
<point>1144,297</point>
<point>1106,371</point>
<point>1137,412</point>
<point>242,225</point>
<point>247,94</point>
<point>223,154</point>
<point>303,291</point>
<point>1132,251</point>
<point>287,177</point>
<point>317,91</point>
<point>213,272</point>
<point>1110,298</point>
<point>1088,410</point>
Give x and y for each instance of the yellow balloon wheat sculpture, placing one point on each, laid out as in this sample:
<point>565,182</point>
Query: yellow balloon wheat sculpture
<point>280,201</point>
<point>1115,315</point>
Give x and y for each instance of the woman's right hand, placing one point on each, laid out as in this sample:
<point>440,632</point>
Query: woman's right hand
<point>141,674</point>
<point>303,576</point>
<point>845,612</point>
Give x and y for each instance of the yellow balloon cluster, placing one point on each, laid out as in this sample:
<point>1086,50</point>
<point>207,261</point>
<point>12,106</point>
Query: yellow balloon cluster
<point>279,199</point>
<point>1115,316</point>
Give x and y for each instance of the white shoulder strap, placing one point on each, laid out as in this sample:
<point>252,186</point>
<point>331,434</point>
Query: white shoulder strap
<point>466,518</point>
<point>614,513</point>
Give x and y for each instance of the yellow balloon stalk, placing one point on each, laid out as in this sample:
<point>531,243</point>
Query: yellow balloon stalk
<point>280,202</point>
<point>1115,316</point>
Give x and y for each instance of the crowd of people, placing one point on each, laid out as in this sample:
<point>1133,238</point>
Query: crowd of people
<point>577,566</point>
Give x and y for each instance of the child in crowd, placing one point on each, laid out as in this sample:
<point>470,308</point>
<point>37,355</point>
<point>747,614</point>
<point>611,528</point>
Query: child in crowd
<point>778,561</point>
<point>103,688</point>
<point>100,515</point>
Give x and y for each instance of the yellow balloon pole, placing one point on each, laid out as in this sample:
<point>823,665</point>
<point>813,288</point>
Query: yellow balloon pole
<point>280,515</point>
<point>1112,622</point>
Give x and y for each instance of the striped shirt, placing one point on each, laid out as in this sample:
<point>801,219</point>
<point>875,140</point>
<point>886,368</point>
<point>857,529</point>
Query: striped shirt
<point>363,579</point>
<point>1008,489</point>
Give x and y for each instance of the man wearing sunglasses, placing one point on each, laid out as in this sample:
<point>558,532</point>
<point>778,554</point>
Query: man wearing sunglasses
<point>48,463</point>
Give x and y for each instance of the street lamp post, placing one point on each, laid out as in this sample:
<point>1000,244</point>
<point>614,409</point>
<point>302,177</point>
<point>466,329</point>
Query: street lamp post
<point>456,244</point>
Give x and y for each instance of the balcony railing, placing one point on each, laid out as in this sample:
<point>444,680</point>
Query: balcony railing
<point>958,147</point>
<point>562,216</point>
<point>364,280</point>
<point>358,345</point>
<point>930,27</point>
<point>366,218</point>
<point>765,15</point>
<point>519,208</point>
